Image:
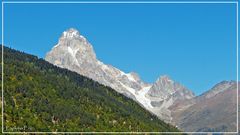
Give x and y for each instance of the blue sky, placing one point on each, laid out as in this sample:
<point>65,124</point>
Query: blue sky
<point>195,44</point>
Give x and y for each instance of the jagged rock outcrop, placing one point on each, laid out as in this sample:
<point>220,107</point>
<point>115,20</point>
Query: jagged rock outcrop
<point>164,93</point>
<point>169,100</point>
<point>74,52</point>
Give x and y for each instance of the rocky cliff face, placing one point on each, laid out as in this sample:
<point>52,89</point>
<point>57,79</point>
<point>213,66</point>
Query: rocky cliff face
<point>74,52</point>
<point>164,93</point>
<point>169,100</point>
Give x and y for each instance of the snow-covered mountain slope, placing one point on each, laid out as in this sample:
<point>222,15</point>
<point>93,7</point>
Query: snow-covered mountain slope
<point>74,52</point>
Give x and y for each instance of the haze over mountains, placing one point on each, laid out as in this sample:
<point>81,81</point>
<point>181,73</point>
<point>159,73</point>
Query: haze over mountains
<point>167,99</point>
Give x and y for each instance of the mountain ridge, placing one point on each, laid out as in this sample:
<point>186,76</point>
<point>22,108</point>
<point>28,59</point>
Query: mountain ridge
<point>165,98</point>
<point>205,112</point>
<point>83,60</point>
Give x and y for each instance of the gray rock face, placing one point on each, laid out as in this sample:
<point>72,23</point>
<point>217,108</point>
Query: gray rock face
<point>167,99</point>
<point>165,87</point>
<point>164,93</point>
<point>213,111</point>
<point>72,50</point>
<point>75,53</point>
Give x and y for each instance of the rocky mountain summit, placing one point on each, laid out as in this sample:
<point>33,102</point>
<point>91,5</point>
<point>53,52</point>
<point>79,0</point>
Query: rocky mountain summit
<point>165,87</point>
<point>167,99</point>
<point>74,52</point>
<point>164,93</point>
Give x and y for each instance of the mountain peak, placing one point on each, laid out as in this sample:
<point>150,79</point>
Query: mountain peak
<point>70,33</point>
<point>224,84</point>
<point>219,88</point>
<point>165,87</point>
<point>164,79</point>
<point>73,33</point>
<point>71,50</point>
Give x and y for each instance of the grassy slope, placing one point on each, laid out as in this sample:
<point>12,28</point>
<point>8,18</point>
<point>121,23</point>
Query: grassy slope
<point>39,96</point>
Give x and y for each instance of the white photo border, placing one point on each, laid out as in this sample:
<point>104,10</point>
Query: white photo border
<point>117,2</point>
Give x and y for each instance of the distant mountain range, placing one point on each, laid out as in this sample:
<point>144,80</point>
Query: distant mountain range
<point>213,111</point>
<point>170,101</point>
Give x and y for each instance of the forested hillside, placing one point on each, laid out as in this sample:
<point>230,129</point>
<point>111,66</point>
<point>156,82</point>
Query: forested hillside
<point>39,96</point>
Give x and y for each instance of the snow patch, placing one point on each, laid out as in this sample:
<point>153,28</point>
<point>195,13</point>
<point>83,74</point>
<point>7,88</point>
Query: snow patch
<point>73,53</point>
<point>56,45</point>
<point>140,95</point>
<point>142,98</point>
<point>103,66</point>
<point>129,89</point>
<point>130,77</point>
<point>122,73</point>
<point>82,37</point>
<point>70,34</point>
